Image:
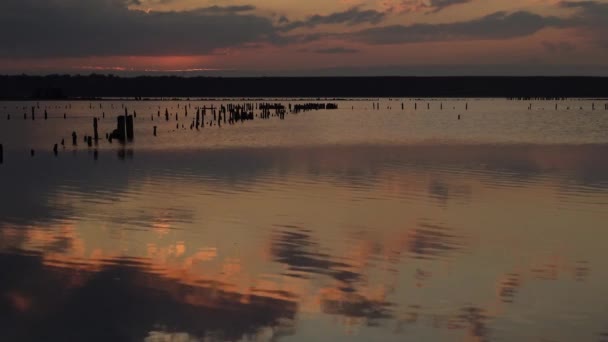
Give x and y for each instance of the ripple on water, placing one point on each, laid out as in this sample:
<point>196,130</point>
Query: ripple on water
<point>432,241</point>
<point>295,248</point>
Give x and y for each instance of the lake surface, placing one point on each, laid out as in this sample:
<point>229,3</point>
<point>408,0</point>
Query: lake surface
<point>354,224</point>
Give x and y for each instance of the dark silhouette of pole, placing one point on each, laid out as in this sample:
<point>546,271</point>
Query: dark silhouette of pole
<point>121,128</point>
<point>130,133</point>
<point>74,138</point>
<point>1,154</point>
<point>96,134</point>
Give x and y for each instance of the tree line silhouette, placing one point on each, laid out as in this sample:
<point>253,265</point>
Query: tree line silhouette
<point>140,88</point>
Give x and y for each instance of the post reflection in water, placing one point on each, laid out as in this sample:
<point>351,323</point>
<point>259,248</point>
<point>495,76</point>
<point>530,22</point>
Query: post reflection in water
<point>421,242</point>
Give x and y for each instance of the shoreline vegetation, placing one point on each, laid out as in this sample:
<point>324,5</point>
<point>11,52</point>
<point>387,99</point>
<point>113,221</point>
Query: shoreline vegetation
<point>100,87</point>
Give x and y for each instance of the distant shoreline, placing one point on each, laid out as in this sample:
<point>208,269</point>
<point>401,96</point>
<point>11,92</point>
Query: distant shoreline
<point>101,87</point>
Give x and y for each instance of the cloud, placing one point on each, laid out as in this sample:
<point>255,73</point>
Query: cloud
<point>225,10</point>
<point>592,18</point>
<point>499,25</point>
<point>336,50</point>
<point>76,29</point>
<point>558,47</point>
<point>73,28</point>
<point>350,17</point>
<point>428,5</point>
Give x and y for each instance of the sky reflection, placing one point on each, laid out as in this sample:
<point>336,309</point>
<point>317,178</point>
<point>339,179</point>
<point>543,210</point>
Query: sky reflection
<point>471,242</point>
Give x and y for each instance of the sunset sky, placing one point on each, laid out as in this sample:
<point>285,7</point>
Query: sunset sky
<point>314,37</point>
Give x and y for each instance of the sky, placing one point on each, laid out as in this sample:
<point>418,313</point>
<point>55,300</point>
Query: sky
<point>312,37</point>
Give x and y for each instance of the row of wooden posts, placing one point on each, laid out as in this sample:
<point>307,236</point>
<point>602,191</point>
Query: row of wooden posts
<point>376,106</point>
<point>230,114</point>
<point>267,107</point>
<point>568,107</point>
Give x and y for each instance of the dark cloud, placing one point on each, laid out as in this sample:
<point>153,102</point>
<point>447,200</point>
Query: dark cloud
<point>432,6</point>
<point>499,25</point>
<point>72,28</point>
<point>353,16</point>
<point>336,50</point>
<point>438,5</point>
<point>225,10</point>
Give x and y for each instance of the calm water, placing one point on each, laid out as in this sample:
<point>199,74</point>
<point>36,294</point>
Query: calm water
<point>354,225</point>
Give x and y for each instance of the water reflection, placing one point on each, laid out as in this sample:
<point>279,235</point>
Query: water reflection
<point>123,302</point>
<point>338,242</point>
<point>301,255</point>
<point>429,241</point>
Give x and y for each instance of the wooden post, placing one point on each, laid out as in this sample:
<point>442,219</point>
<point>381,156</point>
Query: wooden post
<point>33,113</point>
<point>96,134</point>
<point>55,150</point>
<point>74,137</point>
<point>130,134</point>
<point>122,127</point>
<point>154,130</point>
